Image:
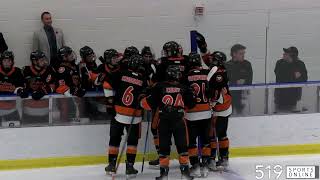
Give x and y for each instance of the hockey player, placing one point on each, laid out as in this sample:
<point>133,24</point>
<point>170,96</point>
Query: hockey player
<point>222,103</point>
<point>150,62</point>
<point>127,85</point>
<point>67,74</point>
<point>172,55</point>
<point>128,52</point>
<point>69,82</point>
<point>88,68</point>
<point>89,72</point>
<point>11,82</point>
<point>199,117</point>
<point>110,65</point>
<point>39,82</point>
<point>171,97</point>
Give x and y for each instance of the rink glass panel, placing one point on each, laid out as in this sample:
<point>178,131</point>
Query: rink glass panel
<point>74,110</point>
<point>256,100</point>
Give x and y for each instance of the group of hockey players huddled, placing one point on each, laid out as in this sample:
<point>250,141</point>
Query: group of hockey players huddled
<point>188,100</point>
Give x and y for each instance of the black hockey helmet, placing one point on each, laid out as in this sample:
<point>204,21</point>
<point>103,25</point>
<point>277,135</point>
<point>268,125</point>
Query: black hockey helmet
<point>218,58</point>
<point>171,49</point>
<point>194,60</point>
<point>64,51</point>
<point>35,55</point>
<point>130,51</point>
<point>85,52</point>
<point>173,73</point>
<point>146,50</point>
<point>7,55</point>
<point>136,63</point>
<point>109,55</point>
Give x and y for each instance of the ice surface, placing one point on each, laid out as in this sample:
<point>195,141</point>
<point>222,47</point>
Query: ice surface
<point>240,169</point>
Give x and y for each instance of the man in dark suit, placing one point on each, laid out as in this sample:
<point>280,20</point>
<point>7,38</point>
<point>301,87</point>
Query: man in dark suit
<point>3,44</point>
<point>289,69</point>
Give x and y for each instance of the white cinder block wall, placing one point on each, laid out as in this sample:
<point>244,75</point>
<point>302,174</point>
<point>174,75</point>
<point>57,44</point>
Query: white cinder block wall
<point>116,24</point>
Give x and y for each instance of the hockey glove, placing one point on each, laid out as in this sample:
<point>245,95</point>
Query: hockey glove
<point>23,93</point>
<point>201,42</point>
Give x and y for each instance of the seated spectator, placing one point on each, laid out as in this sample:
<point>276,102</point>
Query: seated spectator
<point>289,69</point>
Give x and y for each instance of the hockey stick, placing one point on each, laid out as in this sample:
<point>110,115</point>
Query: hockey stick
<point>124,144</point>
<point>146,141</point>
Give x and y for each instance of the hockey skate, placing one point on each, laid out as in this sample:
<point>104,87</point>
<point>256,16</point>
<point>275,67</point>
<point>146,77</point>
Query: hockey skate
<point>131,172</point>
<point>111,168</point>
<point>195,171</point>
<point>163,173</point>
<point>154,163</point>
<point>212,165</point>
<point>204,168</point>
<point>185,172</point>
<point>223,164</point>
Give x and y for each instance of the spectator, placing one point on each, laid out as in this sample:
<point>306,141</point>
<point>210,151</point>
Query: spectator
<point>289,69</point>
<point>240,73</point>
<point>48,39</point>
<point>3,44</point>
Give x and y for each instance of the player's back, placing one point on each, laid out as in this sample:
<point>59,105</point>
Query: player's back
<point>197,79</point>
<point>128,86</point>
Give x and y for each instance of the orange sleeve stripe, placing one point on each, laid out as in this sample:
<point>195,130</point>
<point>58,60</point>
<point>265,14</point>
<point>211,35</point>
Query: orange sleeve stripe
<point>206,151</point>
<point>227,103</point>
<point>62,89</point>
<point>224,143</point>
<point>106,85</point>
<point>93,76</point>
<point>132,150</point>
<point>113,150</point>
<point>145,104</point>
<point>193,151</point>
<point>200,107</point>
<point>164,161</point>
<point>127,111</point>
<point>184,160</point>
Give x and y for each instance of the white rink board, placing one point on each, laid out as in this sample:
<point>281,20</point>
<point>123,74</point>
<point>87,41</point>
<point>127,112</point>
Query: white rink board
<point>39,142</point>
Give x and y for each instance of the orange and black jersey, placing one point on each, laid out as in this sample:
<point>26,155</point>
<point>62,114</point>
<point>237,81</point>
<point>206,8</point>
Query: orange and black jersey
<point>11,81</point>
<point>105,77</point>
<point>219,91</point>
<point>42,80</point>
<point>166,62</point>
<point>68,76</point>
<point>197,79</point>
<point>173,94</point>
<point>127,87</point>
<point>89,74</point>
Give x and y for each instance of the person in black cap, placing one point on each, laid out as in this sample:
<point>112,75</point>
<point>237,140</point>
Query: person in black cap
<point>289,69</point>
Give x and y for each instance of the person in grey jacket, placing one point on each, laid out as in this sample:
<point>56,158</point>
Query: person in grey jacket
<point>3,44</point>
<point>48,39</point>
